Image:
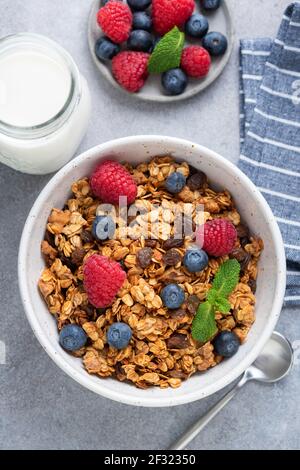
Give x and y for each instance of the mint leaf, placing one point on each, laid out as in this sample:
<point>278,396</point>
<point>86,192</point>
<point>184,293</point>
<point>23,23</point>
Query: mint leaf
<point>222,305</point>
<point>167,52</point>
<point>204,324</point>
<point>226,277</point>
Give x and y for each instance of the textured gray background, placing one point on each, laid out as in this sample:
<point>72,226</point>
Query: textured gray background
<point>42,408</point>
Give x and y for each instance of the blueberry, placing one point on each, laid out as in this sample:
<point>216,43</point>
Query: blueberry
<point>174,81</point>
<point>215,43</point>
<point>196,26</point>
<point>103,227</point>
<point>103,2</point>
<point>118,335</point>
<point>155,42</point>
<point>105,49</point>
<point>141,20</point>
<point>72,337</point>
<point>172,296</point>
<point>211,4</point>
<point>140,40</point>
<point>139,5</point>
<point>195,260</point>
<point>175,182</point>
<point>226,343</point>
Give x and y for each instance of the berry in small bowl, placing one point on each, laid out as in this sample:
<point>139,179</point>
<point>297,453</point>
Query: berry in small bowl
<point>140,40</point>
<point>215,43</point>
<point>174,81</point>
<point>105,49</point>
<point>197,26</point>
<point>141,20</point>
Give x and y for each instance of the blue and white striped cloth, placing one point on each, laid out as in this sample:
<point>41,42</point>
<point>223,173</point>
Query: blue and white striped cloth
<point>270,131</point>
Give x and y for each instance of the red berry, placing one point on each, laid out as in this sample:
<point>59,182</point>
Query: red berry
<point>130,69</point>
<point>195,61</point>
<point>169,13</point>
<point>115,20</point>
<point>102,279</point>
<point>219,236</point>
<point>110,180</point>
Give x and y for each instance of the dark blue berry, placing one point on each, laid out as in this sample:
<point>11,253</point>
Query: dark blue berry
<point>155,42</point>
<point>172,296</point>
<point>195,260</point>
<point>196,26</point>
<point>72,337</point>
<point>118,335</point>
<point>141,20</point>
<point>103,2</point>
<point>174,81</point>
<point>175,182</point>
<point>105,49</point>
<point>139,5</point>
<point>103,227</point>
<point>140,40</point>
<point>226,343</point>
<point>211,4</point>
<point>215,43</point>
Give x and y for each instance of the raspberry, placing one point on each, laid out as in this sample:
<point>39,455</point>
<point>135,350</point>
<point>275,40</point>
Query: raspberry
<point>130,69</point>
<point>102,278</point>
<point>115,20</point>
<point>220,236</point>
<point>110,180</point>
<point>169,13</point>
<point>195,61</point>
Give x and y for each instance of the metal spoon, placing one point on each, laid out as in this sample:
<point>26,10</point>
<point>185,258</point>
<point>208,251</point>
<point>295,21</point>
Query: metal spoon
<point>273,364</point>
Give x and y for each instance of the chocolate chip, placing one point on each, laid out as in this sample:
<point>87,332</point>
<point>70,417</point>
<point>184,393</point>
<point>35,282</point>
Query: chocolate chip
<point>192,304</point>
<point>245,262</point>
<point>67,261</point>
<point>177,374</point>
<point>242,231</point>
<point>172,257</point>
<point>89,309</point>
<point>177,314</point>
<point>239,254</point>
<point>77,256</point>
<point>172,243</point>
<point>87,236</point>
<point>120,374</point>
<point>144,257</point>
<point>49,237</point>
<point>252,285</point>
<point>150,243</point>
<point>177,341</point>
<point>244,241</point>
<point>197,181</point>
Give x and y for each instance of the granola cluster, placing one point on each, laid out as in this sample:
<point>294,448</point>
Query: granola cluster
<point>162,351</point>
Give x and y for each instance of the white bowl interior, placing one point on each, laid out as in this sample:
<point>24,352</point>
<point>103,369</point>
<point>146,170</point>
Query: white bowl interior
<point>255,212</point>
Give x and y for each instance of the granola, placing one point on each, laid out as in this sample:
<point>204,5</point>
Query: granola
<point>162,351</point>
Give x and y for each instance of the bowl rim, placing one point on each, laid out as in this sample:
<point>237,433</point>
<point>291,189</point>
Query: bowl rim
<point>160,98</point>
<point>99,387</point>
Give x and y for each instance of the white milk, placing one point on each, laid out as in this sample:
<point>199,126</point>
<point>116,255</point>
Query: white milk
<point>44,104</point>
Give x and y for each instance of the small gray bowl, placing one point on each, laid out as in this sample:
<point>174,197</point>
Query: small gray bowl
<point>219,20</point>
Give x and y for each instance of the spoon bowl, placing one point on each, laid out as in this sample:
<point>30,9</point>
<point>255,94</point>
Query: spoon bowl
<point>274,361</point>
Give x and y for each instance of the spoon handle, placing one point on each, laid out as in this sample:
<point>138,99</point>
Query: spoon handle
<point>194,430</point>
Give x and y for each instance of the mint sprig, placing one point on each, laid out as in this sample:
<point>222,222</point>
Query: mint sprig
<point>167,52</point>
<point>204,324</point>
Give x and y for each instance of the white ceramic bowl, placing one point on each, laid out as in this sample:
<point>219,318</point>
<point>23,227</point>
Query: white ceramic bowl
<point>255,212</point>
<point>219,20</point>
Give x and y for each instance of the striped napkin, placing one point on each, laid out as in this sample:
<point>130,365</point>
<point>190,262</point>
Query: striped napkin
<point>270,131</point>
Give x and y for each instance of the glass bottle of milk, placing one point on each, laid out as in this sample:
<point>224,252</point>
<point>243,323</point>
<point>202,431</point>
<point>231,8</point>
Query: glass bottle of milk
<point>44,104</point>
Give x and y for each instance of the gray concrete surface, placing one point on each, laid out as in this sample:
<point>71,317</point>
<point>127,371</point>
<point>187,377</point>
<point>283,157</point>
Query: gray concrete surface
<point>40,407</point>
